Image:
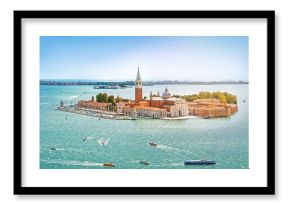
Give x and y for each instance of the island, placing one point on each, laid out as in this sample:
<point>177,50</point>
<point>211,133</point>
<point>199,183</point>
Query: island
<point>156,106</point>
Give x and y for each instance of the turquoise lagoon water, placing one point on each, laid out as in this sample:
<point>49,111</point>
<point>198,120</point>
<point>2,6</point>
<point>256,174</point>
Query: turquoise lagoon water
<point>223,139</point>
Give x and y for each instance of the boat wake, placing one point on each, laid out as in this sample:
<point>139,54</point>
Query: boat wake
<point>168,148</point>
<point>73,163</point>
<point>88,138</point>
<point>63,149</point>
<point>150,164</point>
<point>73,97</point>
<point>134,163</point>
<point>103,141</point>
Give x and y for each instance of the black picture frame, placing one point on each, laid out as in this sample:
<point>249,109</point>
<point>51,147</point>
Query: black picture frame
<point>268,190</point>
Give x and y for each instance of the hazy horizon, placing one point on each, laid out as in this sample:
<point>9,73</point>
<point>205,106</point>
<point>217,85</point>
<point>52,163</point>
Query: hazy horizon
<point>116,58</point>
<point>112,80</point>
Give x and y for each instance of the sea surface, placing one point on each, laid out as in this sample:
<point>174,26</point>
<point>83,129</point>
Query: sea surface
<point>224,140</point>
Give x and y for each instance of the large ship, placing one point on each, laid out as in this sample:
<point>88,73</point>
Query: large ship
<point>199,162</point>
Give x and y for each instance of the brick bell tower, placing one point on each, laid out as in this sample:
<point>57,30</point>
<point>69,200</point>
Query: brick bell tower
<point>138,88</point>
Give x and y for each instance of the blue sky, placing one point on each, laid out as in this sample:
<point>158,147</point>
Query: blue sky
<point>211,58</point>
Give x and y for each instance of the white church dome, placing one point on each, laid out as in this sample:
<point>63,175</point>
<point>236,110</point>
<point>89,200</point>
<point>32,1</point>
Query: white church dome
<point>166,93</point>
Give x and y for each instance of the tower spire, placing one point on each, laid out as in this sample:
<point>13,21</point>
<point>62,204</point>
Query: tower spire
<point>138,75</point>
<point>158,94</point>
<point>166,89</point>
<point>138,81</point>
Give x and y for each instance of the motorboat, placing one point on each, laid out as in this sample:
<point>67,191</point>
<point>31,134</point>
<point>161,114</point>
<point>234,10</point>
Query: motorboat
<point>199,162</point>
<point>52,148</point>
<point>108,165</point>
<point>153,144</point>
<point>144,162</point>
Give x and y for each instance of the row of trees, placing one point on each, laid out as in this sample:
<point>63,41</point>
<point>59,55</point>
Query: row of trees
<point>105,98</point>
<point>224,97</point>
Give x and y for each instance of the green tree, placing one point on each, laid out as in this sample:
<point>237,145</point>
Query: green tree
<point>222,98</point>
<point>98,97</point>
<point>102,97</point>
<point>105,97</point>
<point>195,97</point>
<point>215,95</point>
<point>111,99</point>
<point>231,99</point>
<point>204,95</point>
<point>118,99</point>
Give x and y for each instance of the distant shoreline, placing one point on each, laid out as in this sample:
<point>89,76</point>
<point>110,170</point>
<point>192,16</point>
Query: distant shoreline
<point>131,83</point>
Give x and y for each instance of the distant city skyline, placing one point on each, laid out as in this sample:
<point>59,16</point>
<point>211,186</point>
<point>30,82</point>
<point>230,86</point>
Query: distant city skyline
<point>116,58</point>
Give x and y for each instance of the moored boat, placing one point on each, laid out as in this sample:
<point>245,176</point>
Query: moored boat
<point>199,162</point>
<point>108,165</point>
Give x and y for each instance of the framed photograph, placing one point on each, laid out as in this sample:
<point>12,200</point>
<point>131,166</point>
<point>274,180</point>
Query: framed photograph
<point>144,102</point>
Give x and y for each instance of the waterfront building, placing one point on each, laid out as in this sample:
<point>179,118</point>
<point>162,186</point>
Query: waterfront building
<point>176,107</point>
<point>211,108</point>
<point>121,107</point>
<point>93,105</point>
<point>134,114</point>
<point>152,112</point>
